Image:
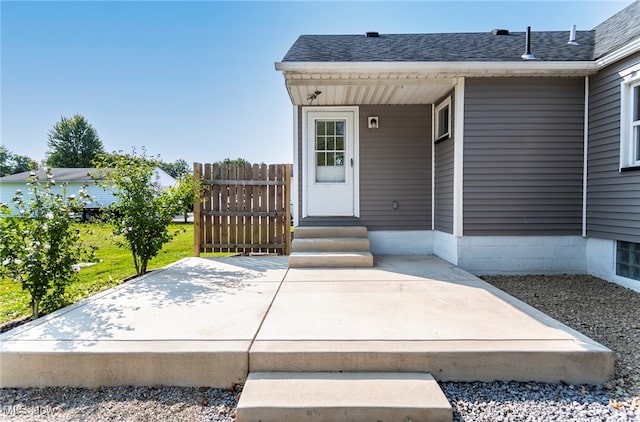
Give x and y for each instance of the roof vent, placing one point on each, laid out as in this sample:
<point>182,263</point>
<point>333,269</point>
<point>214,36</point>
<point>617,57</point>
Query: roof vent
<point>500,31</point>
<point>372,35</point>
<point>572,36</point>
<point>527,54</point>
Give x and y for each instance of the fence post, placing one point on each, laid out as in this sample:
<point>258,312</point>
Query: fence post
<point>197,210</point>
<point>287,207</point>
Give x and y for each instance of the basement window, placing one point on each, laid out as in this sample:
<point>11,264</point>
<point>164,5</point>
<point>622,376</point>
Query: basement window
<point>628,260</point>
<point>443,120</point>
<point>630,123</point>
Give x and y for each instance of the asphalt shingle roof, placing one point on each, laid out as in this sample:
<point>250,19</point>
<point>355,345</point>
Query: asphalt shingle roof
<point>457,47</point>
<point>617,30</point>
<point>463,47</point>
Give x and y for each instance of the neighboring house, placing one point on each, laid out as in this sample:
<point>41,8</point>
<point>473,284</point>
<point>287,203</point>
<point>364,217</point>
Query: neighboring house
<point>74,179</point>
<point>460,145</point>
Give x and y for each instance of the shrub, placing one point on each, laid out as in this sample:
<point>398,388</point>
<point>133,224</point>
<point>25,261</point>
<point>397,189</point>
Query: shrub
<point>39,246</point>
<point>143,210</point>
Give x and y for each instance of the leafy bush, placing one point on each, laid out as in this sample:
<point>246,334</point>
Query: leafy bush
<point>143,210</point>
<point>40,247</point>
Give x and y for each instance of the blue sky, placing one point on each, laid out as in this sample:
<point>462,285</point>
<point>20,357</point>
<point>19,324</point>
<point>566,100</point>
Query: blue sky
<point>196,80</point>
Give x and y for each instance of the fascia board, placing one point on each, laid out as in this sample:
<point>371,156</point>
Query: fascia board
<point>618,54</point>
<point>442,68</point>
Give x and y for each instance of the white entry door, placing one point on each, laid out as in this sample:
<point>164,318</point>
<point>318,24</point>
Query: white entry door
<point>331,160</point>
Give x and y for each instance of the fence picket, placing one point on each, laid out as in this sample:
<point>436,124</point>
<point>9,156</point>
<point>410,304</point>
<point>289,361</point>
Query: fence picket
<point>233,205</point>
<point>264,194</point>
<point>278,206</point>
<point>247,193</point>
<point>224,199</point>
<point>208,206</point>
<point>255,207</point>
<point>215,198</point>
<point>197,212</point>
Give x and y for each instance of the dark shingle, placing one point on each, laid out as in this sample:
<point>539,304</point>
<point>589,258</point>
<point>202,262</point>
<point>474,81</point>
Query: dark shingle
<point>467,47</point>
<point>455,47</point>
<point>619,29</point>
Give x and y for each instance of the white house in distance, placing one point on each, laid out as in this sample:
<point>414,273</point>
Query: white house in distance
<point>74,179</point>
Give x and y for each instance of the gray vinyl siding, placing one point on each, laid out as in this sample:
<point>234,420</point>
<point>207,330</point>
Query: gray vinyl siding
<point>613,198</point>
<point>523,156</point>
<point>444,187</point>
<point>443,212</point>
<point>395,164</point>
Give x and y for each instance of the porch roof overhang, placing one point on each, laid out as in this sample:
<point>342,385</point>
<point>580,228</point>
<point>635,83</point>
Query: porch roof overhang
<point>397,83</point>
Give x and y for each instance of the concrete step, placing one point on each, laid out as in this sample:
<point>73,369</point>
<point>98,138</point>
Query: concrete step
<point>329,232</point>
<point>330,259</point>
<point>299,396</point>
<point>331,244</point>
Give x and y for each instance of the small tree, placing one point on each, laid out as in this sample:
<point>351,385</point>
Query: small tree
<point>143,210</point>
<point>185,194</point>
<point>22,163</point>
<point>177,169</point>
<point>234,161</point>
<point>5,161</point>
<point>40,247</point>
<point>13,163</point>
<point>73,143</point>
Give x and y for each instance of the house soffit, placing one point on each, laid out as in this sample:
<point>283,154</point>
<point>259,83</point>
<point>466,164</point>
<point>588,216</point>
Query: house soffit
<point>362,88</point>
<point>410,83</point>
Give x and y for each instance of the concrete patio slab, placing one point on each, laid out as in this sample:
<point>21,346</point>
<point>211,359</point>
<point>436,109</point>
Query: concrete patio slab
<point>429,310</point>
<point>191,323</point>
<point>212,321</point>
<point>419,314</point>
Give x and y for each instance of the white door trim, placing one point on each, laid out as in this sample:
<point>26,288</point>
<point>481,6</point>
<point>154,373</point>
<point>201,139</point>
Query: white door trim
<point>355,152</point>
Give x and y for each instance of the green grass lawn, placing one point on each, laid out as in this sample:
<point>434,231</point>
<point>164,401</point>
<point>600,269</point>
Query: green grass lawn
<point>113,265</point>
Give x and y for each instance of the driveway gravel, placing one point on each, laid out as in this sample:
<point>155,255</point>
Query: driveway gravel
<point>606,312</point>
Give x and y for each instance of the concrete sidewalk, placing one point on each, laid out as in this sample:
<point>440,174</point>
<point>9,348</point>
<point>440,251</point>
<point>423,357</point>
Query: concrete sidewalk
<point>212,321</point>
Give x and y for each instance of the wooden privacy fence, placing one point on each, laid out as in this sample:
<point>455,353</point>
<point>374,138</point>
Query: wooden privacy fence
<point>243,208</point>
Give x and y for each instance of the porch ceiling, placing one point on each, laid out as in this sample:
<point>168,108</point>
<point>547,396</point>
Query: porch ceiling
<point>365,89</point>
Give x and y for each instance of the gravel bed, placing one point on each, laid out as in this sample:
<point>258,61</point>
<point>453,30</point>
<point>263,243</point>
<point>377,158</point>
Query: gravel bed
<point>154,403</point>
<point>606,312</point>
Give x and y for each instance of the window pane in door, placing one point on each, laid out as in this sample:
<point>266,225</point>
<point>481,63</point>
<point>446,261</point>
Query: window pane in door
<point>330,151</point>
<point>330,128</point>
<point>330,159</point>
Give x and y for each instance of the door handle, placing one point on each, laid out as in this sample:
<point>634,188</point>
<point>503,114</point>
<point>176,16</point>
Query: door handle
<point>351,162</point>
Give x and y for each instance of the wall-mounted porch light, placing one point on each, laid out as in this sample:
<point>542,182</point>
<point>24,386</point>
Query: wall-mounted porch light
<point>313,96</point>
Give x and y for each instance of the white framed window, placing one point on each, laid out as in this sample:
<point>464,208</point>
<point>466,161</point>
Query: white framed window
<point>630,122</point>
<point>443,120</point>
